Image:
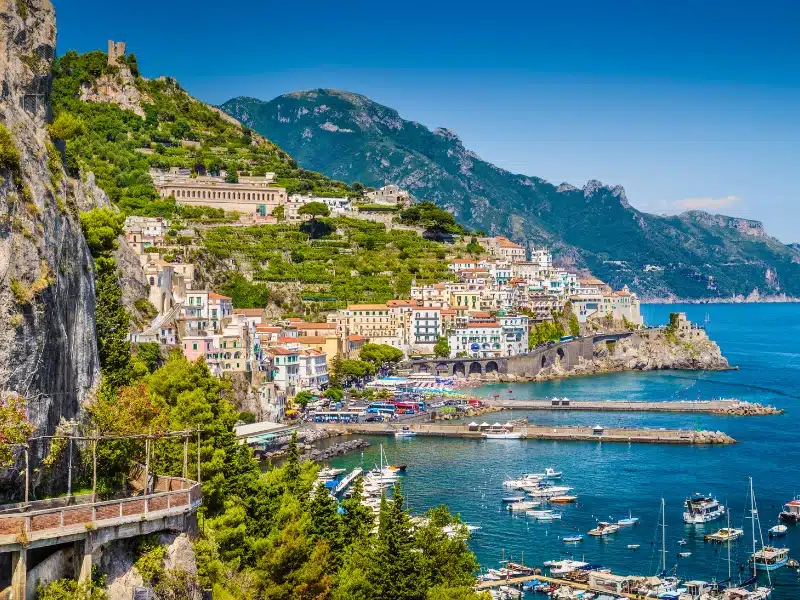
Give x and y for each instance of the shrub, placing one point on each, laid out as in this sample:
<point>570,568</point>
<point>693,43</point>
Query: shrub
<point>9,155</point>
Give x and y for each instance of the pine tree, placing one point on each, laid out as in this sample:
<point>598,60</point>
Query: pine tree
<point>326,522</point>
<point>113,321</point>
<point>292,469</point>
<point>357,521</point>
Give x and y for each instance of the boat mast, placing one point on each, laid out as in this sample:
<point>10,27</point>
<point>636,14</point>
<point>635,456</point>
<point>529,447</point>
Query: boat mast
<point>753,523</point>
<point>663,538</point>
<point>729,545</point>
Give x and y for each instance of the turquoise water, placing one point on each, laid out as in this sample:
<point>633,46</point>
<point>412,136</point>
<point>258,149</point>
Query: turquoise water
<point>611,479</point>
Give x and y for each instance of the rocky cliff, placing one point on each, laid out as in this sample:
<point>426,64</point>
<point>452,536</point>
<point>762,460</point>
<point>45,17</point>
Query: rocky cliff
<point>594,227</point>
<point>48,350</point>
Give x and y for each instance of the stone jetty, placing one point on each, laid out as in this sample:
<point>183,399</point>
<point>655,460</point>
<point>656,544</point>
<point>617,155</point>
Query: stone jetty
<point>540,432</point>
<point>730,407</point>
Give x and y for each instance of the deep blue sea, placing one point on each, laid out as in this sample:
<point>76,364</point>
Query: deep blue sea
<point>613,479</point>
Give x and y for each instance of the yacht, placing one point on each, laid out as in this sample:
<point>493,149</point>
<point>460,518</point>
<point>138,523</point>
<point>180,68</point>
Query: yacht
<point>549,473</point>
<point>791,510</point>
<point>543,515</point>
<point>572,539</point>
<point>548,491</point>
<point>562,567</point>
<point>770,558</point>
<point>523,481</point>
<point>725,534</point>
<point>631,520</point>
<point>522,506</point>
<point>702,509</point>
<point>603,528</point>
<point>405,432</point>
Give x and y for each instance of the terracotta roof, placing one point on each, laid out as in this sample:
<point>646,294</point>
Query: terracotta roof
<point>480,315</point>
<point>449,311</point>
<point>402,303</point>
<point>470,325</point>
<point>311,339</point>
<point>281,351</point>
<point>506,243</point>
<point>214,296</point>
<point>287,340</point>
<point>623,293</point>
<point>356,338</point>
<point>302,326</point>
<point>267,329</point>
<point>591,281</point>
<point>367,307</point>
<point>250,312</point>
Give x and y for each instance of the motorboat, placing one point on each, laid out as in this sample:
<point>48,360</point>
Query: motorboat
<point>405,432</point>
<point>329,473</point>
<point>454,530</point>
<point>603,528</point>
<point>770,558</point>
<point>633,546</point>
<point>682,542</point>
<point>791,511</point>
<point>778,531</point>
<point>725,534</point>
<point>503,435</point>
<point>543,515</point>
<point>702,509</point>
<point>522,506</point>
<point>631,520</point>
<point>524,481</point>
<point>684,554</point>
<point>548,491</point>
<point>564,499</point>
<point>549,473</point>
<point>572,539</point>
<point>511,499</point>
<point>562,567</point>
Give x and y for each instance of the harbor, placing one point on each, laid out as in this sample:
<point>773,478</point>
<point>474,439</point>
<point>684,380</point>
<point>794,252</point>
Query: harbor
<point>477,431</point>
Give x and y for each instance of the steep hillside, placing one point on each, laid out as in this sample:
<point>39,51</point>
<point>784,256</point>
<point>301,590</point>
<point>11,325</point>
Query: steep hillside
<point>693,255</point>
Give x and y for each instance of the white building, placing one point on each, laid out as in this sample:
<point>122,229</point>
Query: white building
<point>426,328</point>
<point>285,368</point>
<point>312,370</point>
<point>389,195</point>
<point>206,310</point>
<point>478,340</point>
<point>514,334</point>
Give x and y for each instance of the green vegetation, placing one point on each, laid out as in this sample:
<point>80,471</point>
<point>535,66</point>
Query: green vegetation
<point>314,210</point>
<point>348,261</point>
<point>431,217</point>
<point>380,356</point>
<point>544,332</point>
<point>9,154</point>
<point>109,147</point>
<point>69,589</point>
<point>474,248</point>
<point>303,398</point>
<point>14,427</point>
<point>442,348</point>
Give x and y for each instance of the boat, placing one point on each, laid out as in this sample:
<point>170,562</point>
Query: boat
<point>778,531</point>
<point>549,473</point>
<point>548,491</point>
<point>503,435</point>
<point>464,528</point>
<point>633,546</point>
<point>543,515</point>
<point>682,542</point>
<point>524,481</point>
<point>702,509</point>
<point>572,539</point>
<point>768,558</point>
<point>791,510</point>
<point>405,432</point>
<point>603,528</point>
<point>329,473</point>
<point>684,554</point>
<point>511,499</point>
<point>561,567</point>
<point>724,535</point>
<point>522,506</point>
<point>563,499</point>
<point>631,520</point>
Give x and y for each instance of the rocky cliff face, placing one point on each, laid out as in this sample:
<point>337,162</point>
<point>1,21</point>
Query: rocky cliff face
<point>48,349</point>
<point>693,255</point>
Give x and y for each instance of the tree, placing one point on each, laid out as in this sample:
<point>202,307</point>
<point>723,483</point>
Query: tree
<point>334,394</point>
<point>474,248</point>
<point>113,322</point>
<point>326,523</point>
<point>101,228</point>
<point>380,355</point>
<point>442,348</point>
<point>357,521</point>
<point>314,210</point>
<point>14,428</point>
<point>303,398</point>
<point>66,126</point>
<point>231,174</point>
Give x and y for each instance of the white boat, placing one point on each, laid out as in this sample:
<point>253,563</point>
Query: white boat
<point>522,506</point>
<point>547,492</point>
<point>724,535</point>
<point>778,531</point>
<point>702,509</point>
<point>510,499</point>
<point>603,528</point>
<point>684,554</point>
<point>522,482</point>
<point>405,432</point>
<point>561,567</point>
<point>631,520</point>
<point>549,473</point>
<point>572,539</point>
<point>768,558</point>
<point>503,435</point>
<point>463,528</point>
<point>633,546</point>
<point>543,515</point>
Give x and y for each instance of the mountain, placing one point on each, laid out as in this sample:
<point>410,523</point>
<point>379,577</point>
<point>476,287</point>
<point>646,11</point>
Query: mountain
<point>693,255</point>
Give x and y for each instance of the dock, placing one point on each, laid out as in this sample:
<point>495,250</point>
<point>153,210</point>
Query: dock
<point>540,432</point>
<point>518,581</point>
<point>347,480</point>
<point>714,407</point>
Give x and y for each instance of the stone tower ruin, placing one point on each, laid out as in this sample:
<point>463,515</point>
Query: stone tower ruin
<point>116,50</point>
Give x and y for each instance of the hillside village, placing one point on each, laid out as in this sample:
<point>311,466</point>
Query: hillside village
<point>211,207</point>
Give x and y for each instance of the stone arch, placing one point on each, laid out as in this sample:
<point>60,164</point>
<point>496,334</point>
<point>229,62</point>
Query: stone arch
<point>442,368</point>
<point>476,368</point>
<point>422,368</point>
<point>459,369</point>
<point>544,361</point>
<point>491,367</point>
<point>561,353</point>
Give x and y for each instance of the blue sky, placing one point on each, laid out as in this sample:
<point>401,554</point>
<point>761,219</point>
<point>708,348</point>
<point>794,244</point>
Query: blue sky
<point>685,104</point>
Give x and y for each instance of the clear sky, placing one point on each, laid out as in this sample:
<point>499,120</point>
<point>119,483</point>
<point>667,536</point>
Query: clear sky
<point>686,104</point>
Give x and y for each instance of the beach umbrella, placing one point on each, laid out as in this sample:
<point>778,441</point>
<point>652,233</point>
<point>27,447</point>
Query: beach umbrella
<point>473,424</point>
<point>484,424</point>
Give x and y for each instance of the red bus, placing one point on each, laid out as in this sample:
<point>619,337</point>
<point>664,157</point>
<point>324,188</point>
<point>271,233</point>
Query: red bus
<point>404,407</point>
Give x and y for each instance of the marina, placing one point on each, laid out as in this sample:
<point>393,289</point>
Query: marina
<point>721,406</point>
<point>619,480</point>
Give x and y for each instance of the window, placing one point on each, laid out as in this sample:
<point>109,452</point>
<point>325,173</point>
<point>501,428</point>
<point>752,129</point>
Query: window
<point>194,346</point>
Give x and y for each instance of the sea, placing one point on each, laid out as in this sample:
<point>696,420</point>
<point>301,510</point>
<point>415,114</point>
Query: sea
<point>615,480</point>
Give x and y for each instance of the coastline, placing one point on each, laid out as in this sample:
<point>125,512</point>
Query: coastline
<point>739,299</point>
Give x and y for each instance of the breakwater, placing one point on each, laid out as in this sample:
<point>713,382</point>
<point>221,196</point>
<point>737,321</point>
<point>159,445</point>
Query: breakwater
<point>540,432</point>
<point>714,407</point>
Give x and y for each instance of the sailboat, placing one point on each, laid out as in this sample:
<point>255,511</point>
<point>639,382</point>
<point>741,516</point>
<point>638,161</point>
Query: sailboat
<point>741,592</point>
<point>768,558</point>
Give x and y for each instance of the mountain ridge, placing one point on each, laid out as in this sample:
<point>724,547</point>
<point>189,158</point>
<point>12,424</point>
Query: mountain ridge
<point>594,227</point>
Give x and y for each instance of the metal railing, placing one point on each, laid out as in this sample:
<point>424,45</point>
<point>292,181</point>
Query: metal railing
<point>178,496</point>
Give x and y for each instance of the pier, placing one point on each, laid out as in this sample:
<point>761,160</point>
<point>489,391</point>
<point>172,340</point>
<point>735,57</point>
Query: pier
<point>541,432</point>
<point>518,581</point>
<point>347,480</point>
<point>714,407</point>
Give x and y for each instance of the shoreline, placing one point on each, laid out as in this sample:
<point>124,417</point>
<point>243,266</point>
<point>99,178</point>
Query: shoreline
<point>730,300</point>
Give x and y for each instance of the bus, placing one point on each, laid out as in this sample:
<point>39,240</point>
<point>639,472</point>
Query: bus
<point>382,408</point>
<point>406,408</point>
